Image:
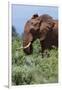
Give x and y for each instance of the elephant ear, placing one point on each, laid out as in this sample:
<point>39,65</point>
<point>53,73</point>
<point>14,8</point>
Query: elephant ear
<point>34,16</point>
<point>42,36</point>
<point>50,24</point>
<point>44,32</point>
<point>45,28</point>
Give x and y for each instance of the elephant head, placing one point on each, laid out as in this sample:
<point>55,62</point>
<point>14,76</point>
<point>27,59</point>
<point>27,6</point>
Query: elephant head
<point>37,27</point>
<point>31,33</point>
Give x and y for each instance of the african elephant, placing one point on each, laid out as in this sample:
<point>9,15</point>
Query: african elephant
<point>43,27</point>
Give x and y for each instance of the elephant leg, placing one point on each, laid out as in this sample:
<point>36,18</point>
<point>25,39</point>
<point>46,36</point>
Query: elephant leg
<point>44,47</point>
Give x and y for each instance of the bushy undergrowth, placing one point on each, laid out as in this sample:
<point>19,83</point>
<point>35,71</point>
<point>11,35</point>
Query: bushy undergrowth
<point>33,69</point>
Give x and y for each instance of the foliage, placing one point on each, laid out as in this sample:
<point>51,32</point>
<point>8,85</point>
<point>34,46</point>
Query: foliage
<point>33,69</point>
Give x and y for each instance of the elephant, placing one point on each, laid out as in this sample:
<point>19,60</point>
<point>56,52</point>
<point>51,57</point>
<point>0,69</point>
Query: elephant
<point>42,27</point>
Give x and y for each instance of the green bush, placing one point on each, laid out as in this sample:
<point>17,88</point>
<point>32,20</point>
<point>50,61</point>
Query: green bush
<point>33,69</point>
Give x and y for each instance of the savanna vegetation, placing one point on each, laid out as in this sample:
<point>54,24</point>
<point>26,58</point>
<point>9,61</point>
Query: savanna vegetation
<point>32,69</point>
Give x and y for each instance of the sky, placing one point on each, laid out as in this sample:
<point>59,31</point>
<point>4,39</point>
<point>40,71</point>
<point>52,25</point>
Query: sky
<point>22,13</point>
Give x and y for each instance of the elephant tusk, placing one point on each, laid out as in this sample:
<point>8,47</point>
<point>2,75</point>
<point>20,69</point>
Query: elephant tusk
<point>27,45</point>
<point>24,46</point>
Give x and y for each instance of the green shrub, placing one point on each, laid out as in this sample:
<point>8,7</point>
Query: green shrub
<point>33,69</point>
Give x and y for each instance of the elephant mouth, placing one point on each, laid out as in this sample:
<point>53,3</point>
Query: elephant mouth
<point>28,49</point>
